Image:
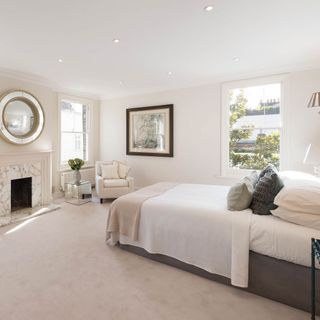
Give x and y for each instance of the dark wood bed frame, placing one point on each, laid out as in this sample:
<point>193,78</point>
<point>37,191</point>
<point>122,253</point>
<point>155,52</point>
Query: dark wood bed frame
<point>271,278</point>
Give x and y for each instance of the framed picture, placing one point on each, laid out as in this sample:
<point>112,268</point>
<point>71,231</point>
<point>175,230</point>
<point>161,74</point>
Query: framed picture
<point>150,131</point>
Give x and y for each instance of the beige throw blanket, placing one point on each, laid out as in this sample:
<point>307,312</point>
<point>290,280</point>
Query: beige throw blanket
<point>124,213</point>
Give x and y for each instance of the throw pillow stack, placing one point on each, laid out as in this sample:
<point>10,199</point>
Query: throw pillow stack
<point>256,192</point>
<point>116,170</point>
<point>290,195</point>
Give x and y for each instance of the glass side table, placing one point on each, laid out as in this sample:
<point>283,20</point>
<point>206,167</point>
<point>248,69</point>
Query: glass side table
<point>78,193</point>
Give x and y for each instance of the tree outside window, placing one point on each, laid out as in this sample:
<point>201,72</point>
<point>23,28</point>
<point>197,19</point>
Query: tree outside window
<point>254,127</point>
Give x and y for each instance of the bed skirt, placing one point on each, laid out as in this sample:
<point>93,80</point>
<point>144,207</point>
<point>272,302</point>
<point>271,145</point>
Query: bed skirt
<point>271,278</point>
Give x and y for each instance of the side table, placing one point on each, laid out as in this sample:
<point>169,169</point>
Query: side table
<point>78,193</point>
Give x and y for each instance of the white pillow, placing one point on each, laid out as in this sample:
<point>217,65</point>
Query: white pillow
<point>123,170</point>
<point>303,219</point>
<point>110,171</point>
<point>303,198</point>
<point>297,178</point>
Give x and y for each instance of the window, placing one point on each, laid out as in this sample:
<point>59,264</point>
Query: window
<point>74,130</point>
<point>253,121</point>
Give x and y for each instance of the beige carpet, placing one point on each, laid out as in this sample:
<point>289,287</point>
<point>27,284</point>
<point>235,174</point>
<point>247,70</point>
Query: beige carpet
<point>57,266</point>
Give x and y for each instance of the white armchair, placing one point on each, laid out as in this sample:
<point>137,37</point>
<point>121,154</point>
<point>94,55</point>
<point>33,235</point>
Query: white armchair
<point>111,188</point>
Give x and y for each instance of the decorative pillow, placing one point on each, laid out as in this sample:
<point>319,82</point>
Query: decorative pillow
<point>303,198</point>
<point>99,165</point>
<point>265,191</point>
<point>240,195</point>
<point>110,171</point>
<point>123,169</point>
<point>269,168</point>
<point>301,218</point>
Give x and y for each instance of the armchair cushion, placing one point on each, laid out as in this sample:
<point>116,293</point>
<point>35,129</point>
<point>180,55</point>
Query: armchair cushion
<point>110,171</point>
<point>99,164</point>
<point>115,183</point>
<point>123,169</point>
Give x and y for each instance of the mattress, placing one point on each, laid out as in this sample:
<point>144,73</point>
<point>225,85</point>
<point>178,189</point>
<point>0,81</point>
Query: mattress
<point>276,238</point>
<point>191,223</point>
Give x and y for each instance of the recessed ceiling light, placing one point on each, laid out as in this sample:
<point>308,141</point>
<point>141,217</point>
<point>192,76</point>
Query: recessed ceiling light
<point>208,8</point>
<point>169,73</point>
<point>116,40</point>
<point>60,60</point>
<point>121,83</point>
<point>236,59</point>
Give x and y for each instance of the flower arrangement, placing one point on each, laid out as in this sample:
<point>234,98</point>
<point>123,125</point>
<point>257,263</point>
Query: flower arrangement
<point>76,164</point>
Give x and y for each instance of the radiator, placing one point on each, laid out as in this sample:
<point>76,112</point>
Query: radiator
<point>87,174</point>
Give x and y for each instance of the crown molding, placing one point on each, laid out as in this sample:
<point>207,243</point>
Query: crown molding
<point>76,93</point>
<point>44,82</point>
<point>27,77</point>
<point>103,96</point>
<point>218,79</point>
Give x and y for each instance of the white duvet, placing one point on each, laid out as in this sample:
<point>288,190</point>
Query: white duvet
<point>191,223</point>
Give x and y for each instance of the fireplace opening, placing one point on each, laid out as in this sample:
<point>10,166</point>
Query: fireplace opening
<point>21,194</point>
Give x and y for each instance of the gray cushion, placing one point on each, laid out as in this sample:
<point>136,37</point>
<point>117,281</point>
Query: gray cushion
<point>251,179</point>
<point>240,195</point>
<point>265,191</point>
<point>269,168</point>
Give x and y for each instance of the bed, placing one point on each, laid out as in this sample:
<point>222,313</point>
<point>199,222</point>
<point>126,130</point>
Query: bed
<point>188,226</point>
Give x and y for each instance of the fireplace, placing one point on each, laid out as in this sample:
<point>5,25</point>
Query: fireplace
<point>36,165</point>
<point>21,193</point>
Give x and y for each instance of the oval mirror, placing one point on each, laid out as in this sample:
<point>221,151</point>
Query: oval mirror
<point>22,117</point>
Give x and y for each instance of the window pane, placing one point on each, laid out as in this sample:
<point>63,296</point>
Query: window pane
<point>73,117</point>
<point>255,123</point>
<point>74,145</point>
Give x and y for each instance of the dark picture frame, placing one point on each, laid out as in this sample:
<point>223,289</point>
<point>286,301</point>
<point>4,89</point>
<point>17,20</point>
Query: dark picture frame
<point>150,131</point>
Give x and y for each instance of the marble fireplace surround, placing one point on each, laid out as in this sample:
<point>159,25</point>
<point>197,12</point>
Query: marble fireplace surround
<point>37,165</point>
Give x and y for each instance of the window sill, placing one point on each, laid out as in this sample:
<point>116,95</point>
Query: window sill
<point>236,173</point>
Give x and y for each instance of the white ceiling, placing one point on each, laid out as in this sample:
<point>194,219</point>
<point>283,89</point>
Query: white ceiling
<point>156,36</point>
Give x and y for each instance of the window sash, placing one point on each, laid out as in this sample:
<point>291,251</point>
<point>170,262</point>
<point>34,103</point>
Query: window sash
<point>225,169</point>
<point>86,131</point>
<point>77,146</point>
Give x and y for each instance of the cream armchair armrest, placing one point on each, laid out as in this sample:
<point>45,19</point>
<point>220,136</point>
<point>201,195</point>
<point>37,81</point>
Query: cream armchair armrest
<point>131,183</point>
<point>99,184</point>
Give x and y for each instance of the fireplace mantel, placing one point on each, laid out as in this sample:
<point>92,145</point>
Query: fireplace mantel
<point>28,158</point>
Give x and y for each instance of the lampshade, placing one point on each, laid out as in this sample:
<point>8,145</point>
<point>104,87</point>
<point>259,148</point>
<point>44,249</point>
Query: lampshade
<point>312,154</point>
<point>315,100</point>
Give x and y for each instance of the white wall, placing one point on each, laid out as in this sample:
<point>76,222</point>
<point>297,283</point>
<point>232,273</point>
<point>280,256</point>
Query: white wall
<point>196,136</point>
<point>302,125</point>
<point>48,139</point>
<point>197,113</point>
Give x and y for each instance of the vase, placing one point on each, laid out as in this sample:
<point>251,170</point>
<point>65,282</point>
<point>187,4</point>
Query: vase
<point>77,177</point>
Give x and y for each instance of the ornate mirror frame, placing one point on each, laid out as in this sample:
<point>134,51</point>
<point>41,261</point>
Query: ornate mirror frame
<point>34,105</point>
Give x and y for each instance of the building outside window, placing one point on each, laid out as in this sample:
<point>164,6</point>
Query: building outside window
<point>253,121</point>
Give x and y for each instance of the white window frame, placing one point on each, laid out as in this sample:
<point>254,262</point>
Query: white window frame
<point>89,104</point>
<point>226,171</point>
